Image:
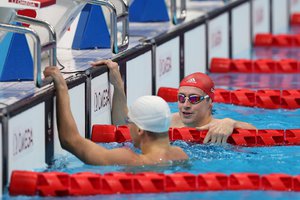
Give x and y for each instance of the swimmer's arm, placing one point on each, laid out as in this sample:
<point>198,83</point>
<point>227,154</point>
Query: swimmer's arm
<point>240,124</point>
<point>93,154</point>
<point>69,136</point>
<point>119,104</point>
<point>86,150</point>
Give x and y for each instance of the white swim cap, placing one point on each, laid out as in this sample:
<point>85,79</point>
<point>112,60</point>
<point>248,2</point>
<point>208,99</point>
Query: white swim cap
<point>151,113</point>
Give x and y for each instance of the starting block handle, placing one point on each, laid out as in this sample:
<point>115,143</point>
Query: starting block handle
<point>39,82</point>
<point>124,18</point>
<point>177,19</point>
<point>113,24</point>
<point>51,45</point>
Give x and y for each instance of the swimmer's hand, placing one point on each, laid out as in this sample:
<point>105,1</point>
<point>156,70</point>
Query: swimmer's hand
<point>58,79</point>
<point>114,73</point>
<point>218,130</point>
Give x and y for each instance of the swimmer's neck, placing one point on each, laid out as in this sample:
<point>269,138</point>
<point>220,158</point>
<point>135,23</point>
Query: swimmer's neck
<point>200,123</point>
<point>149,145</point>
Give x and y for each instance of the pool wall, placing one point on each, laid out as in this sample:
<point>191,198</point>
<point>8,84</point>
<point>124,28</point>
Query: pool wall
<point>28,133</point>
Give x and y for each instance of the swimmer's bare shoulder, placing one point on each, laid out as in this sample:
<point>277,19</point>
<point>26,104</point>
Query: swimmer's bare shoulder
<point>176,121</point>
<point>178,154</point>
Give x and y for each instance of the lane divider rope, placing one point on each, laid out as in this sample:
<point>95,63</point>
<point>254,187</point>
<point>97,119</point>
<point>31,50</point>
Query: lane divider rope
<point>227,65</point>
<point>240,137</point>
<point>276,40</point>
<point>87,183</point>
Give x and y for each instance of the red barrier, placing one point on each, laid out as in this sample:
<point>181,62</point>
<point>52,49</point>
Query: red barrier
<point>281,182</point>
<point>180,182</point>
<point>243,137</point>
<point>117,182</point>
<point>263,39</point>
<point>220,65</point>
<point>292,137</point>
<point>268,99</point>
<point>270,137</point>
<point>244,181</point>
<point>264,66</point>
<point>212,182</point>
<point>222,96</point>
<point>123,134</point>
<point>296,183</point>
<point>243,97</point>
<point>288,66</point>
<point>85,183</point>
<point>242,65</point>
<point>45,3</point>
<point>168,94</point>
<point>149,182</point>
<point>104,133</point>
<point>283,40</point>
<point>184,134</point>
<point>295,19</point>
<point>28,13</point>
<point>290,99</point>
<point>240,137</point>
<point>297,39</point>
<point>23,183</point>
<point>53,184</point>
<point>188,134</point>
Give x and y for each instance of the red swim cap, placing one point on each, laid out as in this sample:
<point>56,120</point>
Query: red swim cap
<point>201,81</point>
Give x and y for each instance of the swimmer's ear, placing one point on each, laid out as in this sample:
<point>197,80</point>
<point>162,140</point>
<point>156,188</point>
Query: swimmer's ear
<point>140,131</point>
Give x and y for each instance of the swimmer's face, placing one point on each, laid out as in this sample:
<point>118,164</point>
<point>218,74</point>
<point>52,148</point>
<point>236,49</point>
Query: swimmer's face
<point>192,114</point>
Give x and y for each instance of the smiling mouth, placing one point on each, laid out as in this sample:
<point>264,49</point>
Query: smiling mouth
<point>187,114</point>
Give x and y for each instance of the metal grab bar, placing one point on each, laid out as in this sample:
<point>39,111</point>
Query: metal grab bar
<point>175,18</point>
<point>124,18</point>
<point>51,45</point>
<point>36,50</point>
<point>113,24</point>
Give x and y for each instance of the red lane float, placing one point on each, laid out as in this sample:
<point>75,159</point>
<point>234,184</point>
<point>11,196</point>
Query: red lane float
<point>280,40</point>
<point>226,65</point>
<point>87,183</point>
<point>149,182</point>
<point>20,179</point>
<point>243,137</point>
<point>220,65</point>
<point>292,137</point>
<point>212,182</point>
<point>243,97</point>
<point>295,19</point>
<point>279,182</point>
<point>270,99</point>
<point>244,181</point>
<point>180,182</point>
<point>240,137</point>
<point>110,133</point>
<point>117,182</point>
<point>53,184</point>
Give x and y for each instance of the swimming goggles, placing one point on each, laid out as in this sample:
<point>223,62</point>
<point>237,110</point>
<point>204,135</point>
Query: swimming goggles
<point>193,99</point>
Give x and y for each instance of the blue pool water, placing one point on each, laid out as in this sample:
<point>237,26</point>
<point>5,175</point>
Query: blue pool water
<point>213,158</point>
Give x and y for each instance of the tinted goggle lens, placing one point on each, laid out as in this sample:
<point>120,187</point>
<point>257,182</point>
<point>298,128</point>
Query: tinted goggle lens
<point>193,99</point>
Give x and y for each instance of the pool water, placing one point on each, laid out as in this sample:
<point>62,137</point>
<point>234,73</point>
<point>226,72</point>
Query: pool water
<point>213,158</point>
